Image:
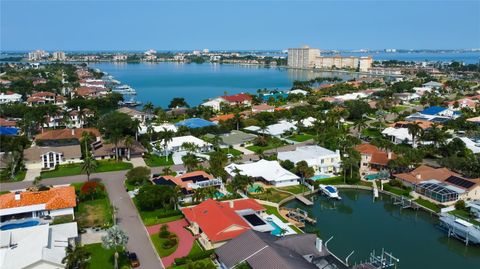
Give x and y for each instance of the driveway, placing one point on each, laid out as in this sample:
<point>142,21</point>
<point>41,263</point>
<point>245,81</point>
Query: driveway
<point>32,173</point>
<point>185,239</point>
<point>137,162</point>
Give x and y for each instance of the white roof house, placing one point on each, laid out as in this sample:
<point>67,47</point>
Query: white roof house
<point>351,96</point>
<point>215,104</point>
<point>298,91</point>
<point>42,246</point>
<point>307,122</point>
<point>270,171</point>
<point>470,144</point>
<point>10,98</point>
<point>158,128</point>
<point>398,135</point>
<point>276,129</point>
<point>176,145</point>
<point>323,160</point>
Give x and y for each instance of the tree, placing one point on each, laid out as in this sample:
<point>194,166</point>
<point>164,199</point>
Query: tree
<point>190,147</point>
<point>76,257</point>
<point>287,164</point>
<point>176,196</point>
<point>218,160</point>
<point>304,170</point>
<point>128,142</point>
<point>178,102</point>
<point>460,205</point>
<point>138,175</point>
<point>414,130</point>
<point>360,125</point>
<point>190,161</point>
<point>166,136</point>
<point>89,165</point>
<point>115,239</point>
<point>136,125</point>
<point>91,189</point>
<point>151,197</point>
<point>86,137</point>
<point>116,126</point>
<point>148,107</point>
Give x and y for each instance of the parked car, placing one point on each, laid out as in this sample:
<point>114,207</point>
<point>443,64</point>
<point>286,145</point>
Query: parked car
<point>132,257</point>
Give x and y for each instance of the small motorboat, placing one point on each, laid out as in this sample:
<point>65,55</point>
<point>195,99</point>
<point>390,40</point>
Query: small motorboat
<point>330,191</point>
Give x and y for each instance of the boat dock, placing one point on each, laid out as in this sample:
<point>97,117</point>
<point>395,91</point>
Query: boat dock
<point>303,199</point>
<point>404,202</point>
<point>299,215</point>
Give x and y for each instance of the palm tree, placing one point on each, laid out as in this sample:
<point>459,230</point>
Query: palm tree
<point>85,139</point>
<point>136,127</point>
<point>360,125</point>
<point>89,165</point>
<point>263,128</point>
<point>415,131</point>
<point>128,141</point>
<point>177,194</point>
<point>190,161</point>
<point>148,107</point>
<point>166,136</point>
<point>237,118</point>
<point>115,138</point>
<point>268,192</point>
<point>167,170</point>
<point>115,239</point>
<point>190,147</point>
<point>76,257</point>
<point>150,131</point>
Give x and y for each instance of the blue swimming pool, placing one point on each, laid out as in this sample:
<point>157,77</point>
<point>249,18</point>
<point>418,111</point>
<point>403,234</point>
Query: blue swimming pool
<point>20,224</point>
<point>319,177</point>
<point>218,195</point>
<point>277,230</point>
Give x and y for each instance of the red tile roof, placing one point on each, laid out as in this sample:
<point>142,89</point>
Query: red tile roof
<point>7,123</point>
<point>43,94</point>
<point>218,220</point>
<point>181,180</point>
<point>237,98</point>
<point>55,198</point>
<point>66,134</point>
<point>223,117</point>
<point>378,156</point>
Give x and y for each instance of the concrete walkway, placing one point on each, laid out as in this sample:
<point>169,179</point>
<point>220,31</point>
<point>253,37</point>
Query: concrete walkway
<point>137,162</point>
<point>243,150</point>
<point>32,174</point>
<point>185,239</point>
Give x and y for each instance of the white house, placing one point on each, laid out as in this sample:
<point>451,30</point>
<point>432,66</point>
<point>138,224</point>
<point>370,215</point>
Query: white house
<point>470,144</point>
<point>398,135</point>
<point>10,98</point>
<point>37,247</point>
<point>298,91</point>
<point>49,157</point>
<point>57,201</point>
<point>176,145</point>
<point>215,104</point>
<point>322,160</point>
<point>136,114</point>
<point>158,128</point>
<point>269,171</point>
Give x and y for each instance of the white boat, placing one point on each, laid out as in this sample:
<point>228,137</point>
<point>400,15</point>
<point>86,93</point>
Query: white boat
<point>330,191</point>
<point>124,89</point>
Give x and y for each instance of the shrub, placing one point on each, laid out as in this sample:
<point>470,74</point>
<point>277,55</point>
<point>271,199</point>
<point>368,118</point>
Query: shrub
<point>194,257</point>
<point>91,190</point>
<point>460,205</point>
<point>164,233</point>
<point>170,243</point>
<point>151,197</point>
<point>169,213</point>
<point>138,175</point>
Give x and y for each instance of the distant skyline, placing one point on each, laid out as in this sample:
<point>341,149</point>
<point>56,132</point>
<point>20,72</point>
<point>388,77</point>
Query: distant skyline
<point>74,25</point>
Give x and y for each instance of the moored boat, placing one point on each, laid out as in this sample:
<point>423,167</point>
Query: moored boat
<point>330,191</point>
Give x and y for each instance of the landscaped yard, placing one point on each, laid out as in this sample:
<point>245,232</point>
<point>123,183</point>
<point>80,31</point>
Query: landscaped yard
<point>102,258</point>
<point>232,151</point>
<point>197,252</point>
<point>93,213</point>
<point>154,217</point>
<point>273,210</point>
<point>396,190</point>
<point>153,160</point>
<point>276,196</point>
<point>371,133</point>
<point>295,189</point>
<point>272,143</point>
<point>300,137</point>
<point>205,263</point>
<point>464,214</point>
<point>159,244</point>
<point>76,168</point>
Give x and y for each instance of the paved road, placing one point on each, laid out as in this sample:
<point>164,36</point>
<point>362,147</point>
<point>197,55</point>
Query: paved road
<point>127,215</point>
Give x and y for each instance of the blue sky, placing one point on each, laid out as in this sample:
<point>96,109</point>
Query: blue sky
<point>228,24</point>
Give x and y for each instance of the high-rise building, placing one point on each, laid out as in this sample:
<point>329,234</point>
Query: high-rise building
<point>302,57</point>
<point>59,56</point>
<point>37,55</point>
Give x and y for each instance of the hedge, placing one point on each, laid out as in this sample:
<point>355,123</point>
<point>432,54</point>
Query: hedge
<point>194,257</point>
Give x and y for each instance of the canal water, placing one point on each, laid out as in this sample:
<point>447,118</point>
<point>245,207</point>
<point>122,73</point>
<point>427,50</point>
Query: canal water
<point>359,224</point>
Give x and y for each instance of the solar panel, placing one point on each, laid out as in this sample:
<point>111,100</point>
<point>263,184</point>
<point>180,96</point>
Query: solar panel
<point>461,182</point>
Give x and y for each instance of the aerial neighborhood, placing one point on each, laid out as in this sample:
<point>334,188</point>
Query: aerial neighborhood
<point>91,178</point>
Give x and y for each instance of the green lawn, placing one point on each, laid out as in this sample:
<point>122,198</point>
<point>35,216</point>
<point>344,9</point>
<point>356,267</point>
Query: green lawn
<point>158,242</point>
<point>272,143</point>
<point>276,196</point>
<point>428,204</point>
<point>196,249</point>
<point>102,258</point>
<point>203,263</point>
<point>76,169</point>
<point>396,190</point>
<point>294,189</point>
<point>371,132</point>
<point>273,210</point>
<point>296,229</point>
<point>153,160</point>
<point>300,137</point>
<point>18,177</point>
<point>234,152</point>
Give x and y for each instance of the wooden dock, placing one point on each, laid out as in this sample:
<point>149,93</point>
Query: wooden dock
<point>304,200</point>
<point>299,215</point>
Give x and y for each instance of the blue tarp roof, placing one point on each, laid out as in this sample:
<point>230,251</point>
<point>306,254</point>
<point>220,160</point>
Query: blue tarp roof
<point>195,123</point>
<point>433,110</point>
<point>8,131</point>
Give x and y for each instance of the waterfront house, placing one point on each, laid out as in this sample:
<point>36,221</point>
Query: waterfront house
<point>276,129</point>
<point>37,157</point>
<point>36,247</point>
<point>237,138</point>
<point>434,114</point>
<point>240,99</point>
<point>265,251</point>
<point>194,123</point>
<point>440,185</point>
<point>270,172</point>
<point>190,182</point>
<point>67,136</point>
<point>42,98</point>
<point>177,143</point>
<point>373,159</point>
<point>298,91</point>
<point>262,108</point>
<point>214,223</point>
<point>219,118</point>
<point>56,201</point>
<point>322,160</point>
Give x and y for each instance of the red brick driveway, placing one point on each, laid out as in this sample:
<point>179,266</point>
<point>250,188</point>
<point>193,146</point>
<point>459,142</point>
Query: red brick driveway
<point>185,239</point>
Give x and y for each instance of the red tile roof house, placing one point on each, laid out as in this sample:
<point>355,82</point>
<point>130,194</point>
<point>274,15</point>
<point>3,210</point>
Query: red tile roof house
<point>373,159</point>
<point>57,201</point>
<point>263,108</point>
<point>214,223</point>
<point>238,99</point>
